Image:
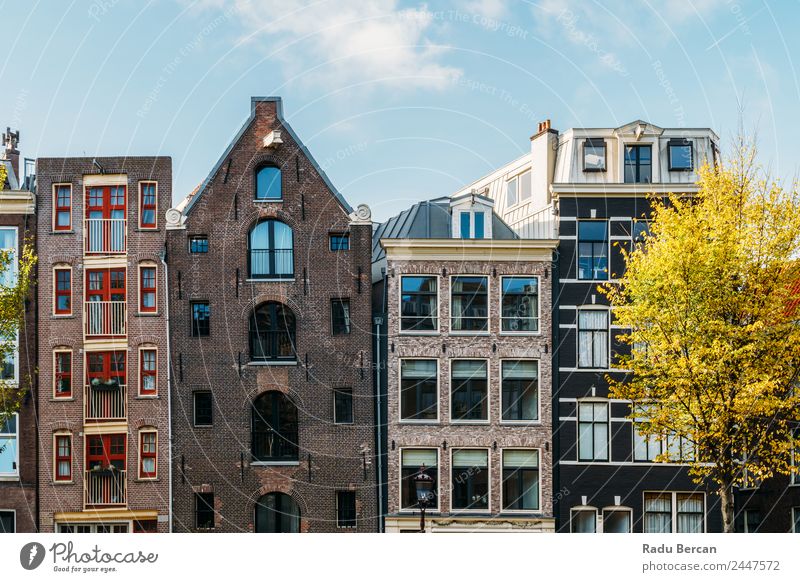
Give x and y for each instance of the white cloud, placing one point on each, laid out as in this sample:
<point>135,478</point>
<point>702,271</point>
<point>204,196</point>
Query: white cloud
<point>338,42</point>
<point>487,8</point>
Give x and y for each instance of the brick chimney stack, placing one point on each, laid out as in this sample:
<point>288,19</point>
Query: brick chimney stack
<point>10,151</point>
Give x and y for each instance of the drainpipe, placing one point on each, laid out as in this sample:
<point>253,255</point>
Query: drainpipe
<point>378,320</point>
<point>169,378</point>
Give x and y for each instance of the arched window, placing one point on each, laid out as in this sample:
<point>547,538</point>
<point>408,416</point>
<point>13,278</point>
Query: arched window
<point>274,428</point>
<point>271,251</point>
<point>277,513</point>
<point>272,333</point>
<point>268,183</point>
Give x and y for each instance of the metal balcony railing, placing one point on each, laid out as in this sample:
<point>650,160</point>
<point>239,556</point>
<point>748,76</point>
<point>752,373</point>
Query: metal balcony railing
<point>105,318</point>
<point>105,487</point>
<point>105,402</point>
<point>105,236</point>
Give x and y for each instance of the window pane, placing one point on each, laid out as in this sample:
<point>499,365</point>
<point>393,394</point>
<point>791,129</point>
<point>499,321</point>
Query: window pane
<point>340,316</point>
<point>658,513</point>
<point>511,192</point>
<point>525,186</point>
<point>680,157</point>
<point>594,155</point>
<point>584,521</point>
<point>469,303</point>
<point>465,224</point>
<point>616,522</point>
<point>520,304</point>
<point>520,393</point>
<point>479,216</point>
<point>469,390</point>
<point>268,184</point>
<point>343,405</point>
<point>470,479</point>
<point>419,303</point>
<point>418,387</point>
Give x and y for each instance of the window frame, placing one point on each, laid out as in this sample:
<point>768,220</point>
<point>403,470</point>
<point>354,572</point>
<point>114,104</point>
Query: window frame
<point>13,513</point>
<point>403,420</point>
<point>503,507</point>
<point>198,238</point>
<point>210,395</point>
<point>607,331</point>
<point>593,242</point>
<point>488,508</point>
<point>637,167</point>
<point>346,316</point>
<point>436,318</point>
<point>488,317</point>
<point>147,290</point>
<point>58,208</point>
<point>58,374</point>
<point>57,458</point>
<point>452,385</point>
<point>341,522</point>
<point>615,509</point>
<point>796,519</point>
<point>256,335</point>
<point>593,422</point>
<point>538,419</point>
<point>342,237</point>
<point>257,171</point>
<point>15,436</point>
<point>148,373</point>
<point>345,391</point>
<point>437,483</point>
<point>584,509</point>
<point>14,358</point>
<point>141,473</point>
<point>537,317</point>
<point>594,142</point>
<point>286,430</point>
<point>153,207</point>
<point>674,508</point>
<point>271,249</point>
<point>62,268</point>
<point>680,142</point>
<point>209,507</point>
<point>197,330</point>
<point>517,180</point>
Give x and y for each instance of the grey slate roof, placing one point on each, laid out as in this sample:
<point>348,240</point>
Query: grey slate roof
<point>428,219</point>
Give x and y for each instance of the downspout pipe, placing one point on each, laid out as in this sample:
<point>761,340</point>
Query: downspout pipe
<point>169,379</point>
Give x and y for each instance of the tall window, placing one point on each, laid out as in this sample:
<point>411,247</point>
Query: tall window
<point>520,390</point>
<point>469,300</point>
<point>638,164</point>
<point>340,316</point>
<point>592,431</point>
<point>413,461</point>
<point>63,300</point>
<point>147,289</point>
<point>106,452</point>
<point>274,425</point>
<point>616,521</point>
<point>105,213</point>
<point>418,390</point>
<point>520,304</point>
<point>268,183</point>
<point>7,522</point>
<point>345,509</point>
<point>593,338</point>
<point>204,510</point>
<point>521,480</point>
<point>201,318</point>
<point>594,155</point>
<point>62,378</point>
<point>680,154</point>
<point>8,243</point>
<point>106,302</point>
<point>147,454</point>
<point>9,454</point>
<point>203,409</point>
<point>470,479</point>
<point>63,449</point>
<point>272,333</point>
<point>593,250</point>
<point>469,390</point>
<point>674,513</point>
<point>419,303</point>
<point>277,513</point>
<point>147,204</point>
<point>271,251</point>
<point>583,521</point>
<point>148,377</point>
<point>8,366</point>
<point>343,406</point>
<point>645,448</point>
<point>518,189</point>
<point>62,207</point>
<point>752,520</point>
<point>472,224</point>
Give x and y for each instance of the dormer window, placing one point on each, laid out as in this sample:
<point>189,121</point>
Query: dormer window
<point>518,189</point>
<point>472,224</point>
<point>594,155</point>
<point>680,154</point>
<point>638,164</point>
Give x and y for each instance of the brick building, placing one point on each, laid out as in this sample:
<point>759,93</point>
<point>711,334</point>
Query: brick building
<point>103,391</point>
<point>18,511</point>
<point>269,291</point>
<point>468,368</point>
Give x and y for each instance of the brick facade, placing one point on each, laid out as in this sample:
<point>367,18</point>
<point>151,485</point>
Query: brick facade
<point>218,459</point>
<point>145,500</point>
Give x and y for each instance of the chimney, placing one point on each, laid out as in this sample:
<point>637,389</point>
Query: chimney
<point>10,151</point>
<point>543,163</point>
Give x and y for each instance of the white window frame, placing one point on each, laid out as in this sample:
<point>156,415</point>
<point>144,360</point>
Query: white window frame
<point>14,265</point>
<point>539,468</point>
<point>538,305</point>
<point>140,378</point>
<point>674,507</point>
<point>488,469</point>
<point>488,390</point>
<point>615,509</point>
<point>400,329</point>
<point>516,178</point>
<point>485,211</point>
<point>745,526</point>
<point>15,359</point>
<point>142,431</point>
<point>400,393</point>
<point>437,488</point>
<point>581,509</point>
<point>63,350</point>
<point>538,390</point>
<point>92,527</point>
<point>141,206</point>
<point>14,474</point>
<point>578,429</point>
<point>488,305</point>
<point>607,310</point>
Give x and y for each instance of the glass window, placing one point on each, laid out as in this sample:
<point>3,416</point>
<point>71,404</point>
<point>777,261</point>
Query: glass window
<point>594,155</point>
<point>201,319</point>
<point>511,192</point>
<point>7,522</point>
<point>203,409</point>
<point>343,406</point>
<point>147,372</point>
<point>520,390</point>
<point>419,303</point>
<point>469,390</point>
<point>63,291</point>
<point>583,521</point>
<point>9,455</point>
<point>412,462</point>
<point>8,367</point>
<point>469,303</point>
<point>638,164</point>
<point>521,480</point>
<point>8,243</point>
<point>340,242</point>
<point>274,425</point>
<point>63,375</point>
<point>592,431</point>
<point>147,290</point>
<point>204,510</point>
<point>520,304</point>
<point>465,225</point>
<point>63,207</point>
<point>268,183</point>
<point>418,390</point>
<point>640,231</point>
<point>470,479</point>
<point>616,521</point>
<point>645,448</point>
<point>198,244</point>
<point>680,154</point>
<point>272,333</point>
<point>345,509</point>
<point>524,186</point>
<point>147,208</point>
<point>271,251</point>
<point>63,457</point>
<point>796,515</point>
<point>657,513</point>
<point>340,316</point>
<point>277,513</point>
<point>593,338</point>
<point>593,250</point>
<point>690,513</point>
<point>752,520</point>
<point>479,230</point>
<point>147,455</point>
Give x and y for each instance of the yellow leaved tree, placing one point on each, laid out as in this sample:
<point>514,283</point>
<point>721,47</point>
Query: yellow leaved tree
<point>711,299</point>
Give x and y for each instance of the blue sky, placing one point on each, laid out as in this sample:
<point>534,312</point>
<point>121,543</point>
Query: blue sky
<point>398,101</point>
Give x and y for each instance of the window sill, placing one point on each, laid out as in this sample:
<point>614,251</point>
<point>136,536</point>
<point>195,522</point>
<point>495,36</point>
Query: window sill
<point>520,333</point>
<point>267,200</point>
<point>521,422</point>
<point>470,333</point>
<point>62,482</point>
<point>275,363</point>
<point>9,478</point>
<point>594,170</point>
<point>344,423</point>
<point>63,316</point>
<point>148,314</point>
<point>65,399</point>
<point>146,229</point>
<point>272,280</point>
<point>469,422</point>
<point>62,231</point>
<point>202,426</point>
<point>412,421</point>
<point>147,480</point>
<point>147,397</point>
<point>413,333</point>
<point>275,464</point>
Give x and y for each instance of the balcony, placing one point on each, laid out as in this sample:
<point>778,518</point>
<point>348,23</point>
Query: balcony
<point>105,318</point>
<point>105,488</point>
<point>105,402</point>
<point>105,236</point>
